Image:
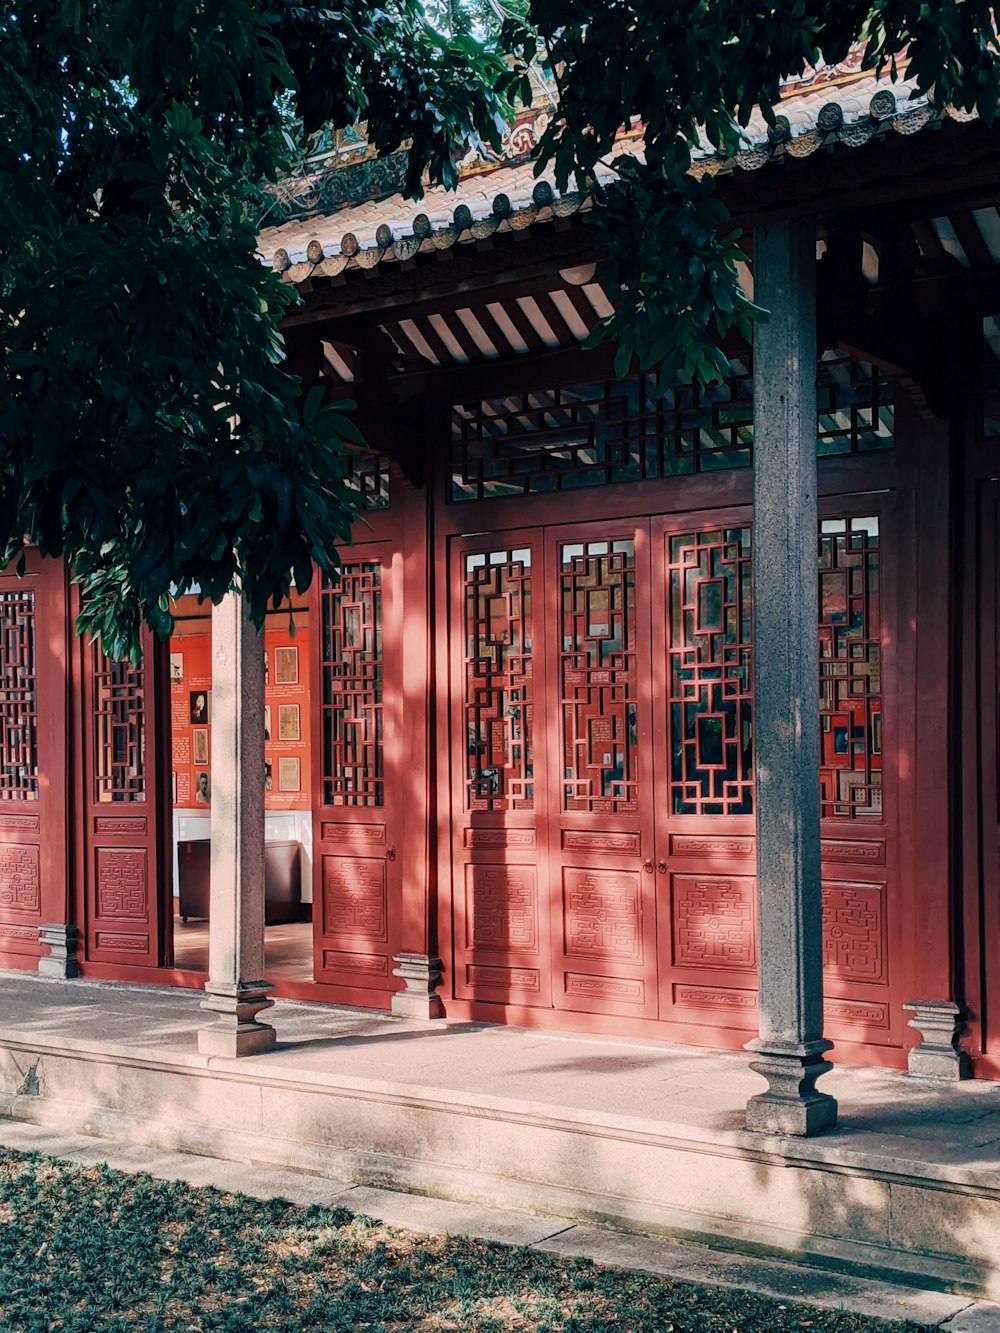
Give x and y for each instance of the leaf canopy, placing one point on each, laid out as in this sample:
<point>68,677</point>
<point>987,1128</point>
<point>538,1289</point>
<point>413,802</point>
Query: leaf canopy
<point>150,430</point>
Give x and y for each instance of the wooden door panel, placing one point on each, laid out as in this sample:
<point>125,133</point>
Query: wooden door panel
<point>34,823</point>
<point>356,805</point>
<point>861,700</point>
<point>499,770</point>
<point>600,807</point>
<point>704,806</point>
<point>126,877</point>
<point>701,586</point>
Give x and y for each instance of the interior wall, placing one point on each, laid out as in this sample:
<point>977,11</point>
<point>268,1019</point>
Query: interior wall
<point>287,746</point>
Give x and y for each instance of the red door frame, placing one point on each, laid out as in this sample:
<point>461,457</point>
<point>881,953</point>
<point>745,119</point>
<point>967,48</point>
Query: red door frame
<point>357,866</point>
<point>849,487</point>
<point>981,675</point>
<point>500,848</point>
<point>375,844</point>
<point>35,834</point>
<point>600,864</point>
<point>124,888</point>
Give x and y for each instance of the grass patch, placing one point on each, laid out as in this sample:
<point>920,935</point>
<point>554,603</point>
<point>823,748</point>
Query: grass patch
<point>91,1250</point>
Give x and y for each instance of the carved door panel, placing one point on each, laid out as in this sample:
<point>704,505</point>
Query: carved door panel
<point>703,746</point>
<point>33,764</point>
<point>701,575</point>
<point>356,806</point>
<point>499,772</point>
<point>126,867</point>
<point>598,733</point>
<point>858,797</point>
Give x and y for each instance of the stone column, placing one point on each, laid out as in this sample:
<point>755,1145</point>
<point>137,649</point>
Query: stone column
<point>235,991</point>
<point>790,1047</point>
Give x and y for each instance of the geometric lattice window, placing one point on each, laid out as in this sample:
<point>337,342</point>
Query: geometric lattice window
<point>854,406</point>
<point>850,669</point>
<point>598,677</point>
<point>353,772</point>
<point>596,434</point>
<point>710,673</point>
<point>18,700</point>
<point>498,681</point>
<point>119,729</point>
<point>604,433</point>
<point>368,476</point>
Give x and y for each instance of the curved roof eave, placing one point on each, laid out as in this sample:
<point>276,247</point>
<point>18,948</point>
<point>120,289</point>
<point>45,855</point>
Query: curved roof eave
<point>513,198</point>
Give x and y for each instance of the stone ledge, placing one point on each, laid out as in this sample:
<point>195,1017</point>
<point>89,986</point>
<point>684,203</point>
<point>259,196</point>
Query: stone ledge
<point>824,1153</point>
<point>925,1220</point>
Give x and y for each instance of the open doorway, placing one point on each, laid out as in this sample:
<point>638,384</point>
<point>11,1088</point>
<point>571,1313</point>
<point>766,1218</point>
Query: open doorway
<point>287,790</point>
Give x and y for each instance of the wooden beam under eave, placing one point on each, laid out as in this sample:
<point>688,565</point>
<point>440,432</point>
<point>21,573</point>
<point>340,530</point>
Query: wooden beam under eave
<point>492,329</point>
<point>427,285</point>
<point>434,341</point>
<point>581,304</point>
<point>462,336</point>
<point>550,313</point>
<point>971,240</point>
<point>513,374</point>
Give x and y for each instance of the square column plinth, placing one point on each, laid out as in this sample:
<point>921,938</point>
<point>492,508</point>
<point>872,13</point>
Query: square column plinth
<point>235,991</point>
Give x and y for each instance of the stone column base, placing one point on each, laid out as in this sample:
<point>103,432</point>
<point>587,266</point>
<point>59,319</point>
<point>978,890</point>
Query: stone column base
<point>937,1056</point>
<point>60,962</point>
<point>422,974</point>
<point>236,1031</point>
<point>791,1104</point>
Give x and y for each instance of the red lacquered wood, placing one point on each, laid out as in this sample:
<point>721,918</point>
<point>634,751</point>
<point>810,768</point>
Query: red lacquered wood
<point>125,865</point>
<point>35,818</point>
<point>358,739</point>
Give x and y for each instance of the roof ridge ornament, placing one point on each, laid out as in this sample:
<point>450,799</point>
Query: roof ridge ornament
<point>883,105</point>
<point>830,118</point>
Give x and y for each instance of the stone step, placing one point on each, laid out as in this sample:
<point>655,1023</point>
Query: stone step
<point>857,1201</point>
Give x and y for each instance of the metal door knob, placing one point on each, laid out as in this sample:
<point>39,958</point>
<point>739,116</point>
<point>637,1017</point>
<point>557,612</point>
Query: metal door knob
<point>390,853</point>
<point>647,865</point>
<point>661,866</point>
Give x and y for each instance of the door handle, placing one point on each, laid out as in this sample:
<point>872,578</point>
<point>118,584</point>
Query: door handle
<point>661,866</point>
<point>647,865</point>
<point>390,853</point>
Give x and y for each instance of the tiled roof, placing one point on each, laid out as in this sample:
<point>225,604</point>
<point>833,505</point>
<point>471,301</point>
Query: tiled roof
<point>813,115</point>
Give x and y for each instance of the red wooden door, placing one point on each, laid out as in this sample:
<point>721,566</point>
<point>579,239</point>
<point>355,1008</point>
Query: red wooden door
<point>33,765</point>
<point>126,869</point>
<point>598,690</point>
<point>356,716</point>
<point>500,772</point>
<point>603,843</point>
<point>862,702</point>
<point>703,753</point>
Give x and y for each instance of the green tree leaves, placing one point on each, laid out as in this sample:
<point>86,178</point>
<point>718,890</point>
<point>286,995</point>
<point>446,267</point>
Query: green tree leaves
<point>693,72</point>
<point>149,430</point>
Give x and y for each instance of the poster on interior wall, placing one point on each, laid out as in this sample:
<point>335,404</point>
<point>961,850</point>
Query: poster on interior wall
<point>286,719</point>
<point>190,720</point>
<point>199,746</point>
